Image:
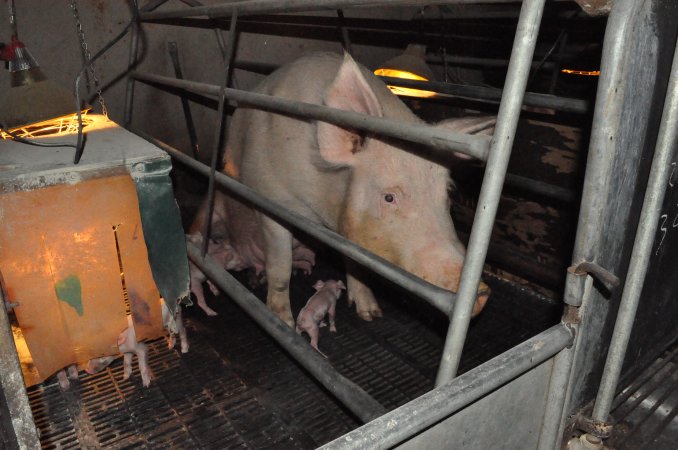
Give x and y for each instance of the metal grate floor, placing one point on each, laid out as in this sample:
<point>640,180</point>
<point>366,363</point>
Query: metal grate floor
<point>646,410</point>
<point>236,388</point>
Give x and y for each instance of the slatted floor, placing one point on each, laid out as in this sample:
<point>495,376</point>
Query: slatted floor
<point>237,389</point>
<point>646,410</point>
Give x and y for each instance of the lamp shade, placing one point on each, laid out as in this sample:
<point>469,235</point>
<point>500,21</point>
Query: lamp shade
<point>31,97</point>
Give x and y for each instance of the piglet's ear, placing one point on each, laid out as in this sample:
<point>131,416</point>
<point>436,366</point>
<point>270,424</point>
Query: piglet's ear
<point>319,285</point>
<point>340,285</point>
<point>348,91</point>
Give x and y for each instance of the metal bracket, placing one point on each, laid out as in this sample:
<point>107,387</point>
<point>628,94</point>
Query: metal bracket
<point>11,305</point>
<point>602,430</point>
<point>609,280</point>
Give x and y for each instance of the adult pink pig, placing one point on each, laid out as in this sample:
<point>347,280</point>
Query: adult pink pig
<point>390,201</point>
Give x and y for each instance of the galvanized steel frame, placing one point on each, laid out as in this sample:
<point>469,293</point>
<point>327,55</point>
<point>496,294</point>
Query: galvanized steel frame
<point>477,146</point>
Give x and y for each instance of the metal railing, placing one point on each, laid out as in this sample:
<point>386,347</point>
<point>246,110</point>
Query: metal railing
<point>496,151</point>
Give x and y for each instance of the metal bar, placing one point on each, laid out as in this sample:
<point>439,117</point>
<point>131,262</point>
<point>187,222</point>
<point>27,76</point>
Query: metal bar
<point>642,248</point>
<point>12,383</point>
<point>345,39</point>
<point>129,93</point>
<point>492,94</point>
<point>490,192</point>
<point>152,5</point>
<point>174,55</point>
<point>247,7</point>
<point>541,188</point>
<point>439,298</point>
<point>349,393</point>
<point>436,405</point>
<point>430,136</point>
<point>594,199</point>
<point>219,132</point>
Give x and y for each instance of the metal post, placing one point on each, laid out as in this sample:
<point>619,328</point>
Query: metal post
<point>432,407</point>
<point>488,201</point>
<point>345,40</point>
<point>433,138</point>
<point>174,55</point>
<point>12,383</point>
<point>642,248</point>
<point>438,297</point>
<point>219,132</point>
<point>129,94</point>
<point>349,393</point>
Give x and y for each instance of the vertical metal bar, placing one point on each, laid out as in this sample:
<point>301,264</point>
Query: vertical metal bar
<point>12,383</point>
<point>495,172</point>
<point>174,55</point>
<point>345,40</point>
<point>129,94</point>
<point>642,248</point>
<point>219,131</point>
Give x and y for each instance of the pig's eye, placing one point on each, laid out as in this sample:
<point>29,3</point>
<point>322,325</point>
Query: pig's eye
<point>389,198</point>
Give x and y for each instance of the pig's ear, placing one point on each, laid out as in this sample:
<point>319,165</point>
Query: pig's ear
<point>469,125</point>
<point>318,285</point>
<point>348,91</point>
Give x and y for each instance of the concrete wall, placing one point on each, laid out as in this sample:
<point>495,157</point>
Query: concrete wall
<point>47,28</point>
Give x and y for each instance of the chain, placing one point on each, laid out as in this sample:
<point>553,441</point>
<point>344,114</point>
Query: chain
<point>86,53</point>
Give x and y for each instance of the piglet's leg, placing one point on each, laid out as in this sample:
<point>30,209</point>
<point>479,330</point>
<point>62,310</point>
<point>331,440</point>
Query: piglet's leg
<point>144,369</point>
<point>126,365</point>
<point>331,313</point>
<point>73,372</point>
<point>182,331</point>
<point>63,380</point>
<point>196,288</point>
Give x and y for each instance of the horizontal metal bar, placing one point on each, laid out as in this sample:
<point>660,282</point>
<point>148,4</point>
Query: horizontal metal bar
<point>541,188</point>
<point>440,403</point>
<point>493,94</point>
<point>247,7</point>
<point>461,90</point>
<point>439,298</point>
<point>349,393</point>
<point>429,136</point>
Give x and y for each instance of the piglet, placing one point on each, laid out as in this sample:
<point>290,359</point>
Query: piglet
<point>128,346</point>
<point>224,255</point>
<point>64,380</point>
<point>322,303</point>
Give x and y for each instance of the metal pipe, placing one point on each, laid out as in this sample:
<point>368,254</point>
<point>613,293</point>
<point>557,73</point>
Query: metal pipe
<point>349,393</point>
<point>345,39</point>
<point>490,192</point>
<point>492,94</point>
<point>539,187</point>
<point>174,56</point>
<point>430,136</point>
<point>12,383</point>
<point>129,93</point>
<point>400,424</point>
<point>439,298</point>
<point>247,7</point>
<point>594,199</point>
<point>566,104</point>
<point>642,248</point>
<point>219,132</point>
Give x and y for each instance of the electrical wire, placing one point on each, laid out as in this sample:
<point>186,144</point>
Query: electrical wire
<point>23,140</point>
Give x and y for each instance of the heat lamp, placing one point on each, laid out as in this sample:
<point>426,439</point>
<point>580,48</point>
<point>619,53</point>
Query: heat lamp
<point>410,65</point>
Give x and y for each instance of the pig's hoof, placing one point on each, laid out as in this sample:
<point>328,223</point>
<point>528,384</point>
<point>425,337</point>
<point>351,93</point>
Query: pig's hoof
<point>368,316</point>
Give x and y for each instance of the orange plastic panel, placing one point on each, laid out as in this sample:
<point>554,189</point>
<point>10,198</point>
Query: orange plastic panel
<point>59,259</point>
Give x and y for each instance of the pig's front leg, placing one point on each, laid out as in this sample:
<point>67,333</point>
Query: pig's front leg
<point>366,305</point>
<point>278,249</point>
